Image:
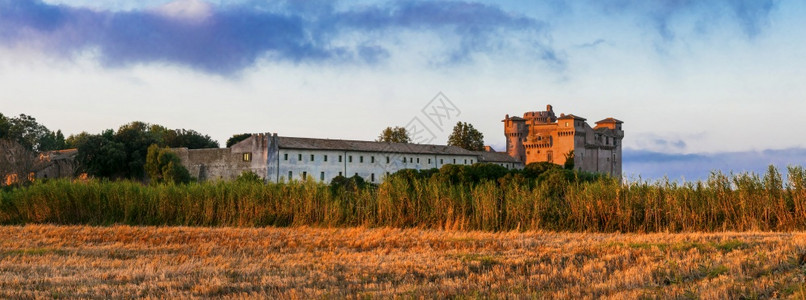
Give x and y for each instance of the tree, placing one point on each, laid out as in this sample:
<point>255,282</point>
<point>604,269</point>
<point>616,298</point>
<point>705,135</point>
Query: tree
<point>101,155</point>
<point>394,135</point>
<point>30,134</point>
<point>4,126</point>
<point>237,138</point>
<point>569,160</point>
<point>189,138</point>
<point>164,166</point>
<point>467,137</point>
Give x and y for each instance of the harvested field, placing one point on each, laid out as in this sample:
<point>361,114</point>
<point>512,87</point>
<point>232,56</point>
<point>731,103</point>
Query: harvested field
<point>46,261</point>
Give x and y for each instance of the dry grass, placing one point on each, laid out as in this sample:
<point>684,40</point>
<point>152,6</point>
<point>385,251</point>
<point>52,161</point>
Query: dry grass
<point>45,261</point>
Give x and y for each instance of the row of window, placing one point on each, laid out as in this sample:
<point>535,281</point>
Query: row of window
<point>371,158</point>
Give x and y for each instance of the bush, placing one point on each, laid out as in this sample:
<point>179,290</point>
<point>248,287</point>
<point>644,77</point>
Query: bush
<point>249,177</point>
<point>164,166</point>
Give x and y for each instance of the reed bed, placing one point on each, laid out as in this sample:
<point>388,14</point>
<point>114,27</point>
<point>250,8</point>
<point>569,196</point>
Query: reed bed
<point>724,202</point>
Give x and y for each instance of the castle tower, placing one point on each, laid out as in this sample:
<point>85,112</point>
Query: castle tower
<point>515,130</point>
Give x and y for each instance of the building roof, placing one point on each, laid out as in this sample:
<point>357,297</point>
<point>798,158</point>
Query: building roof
<point>487,156</point>
<point>515,118</point>
<point>367,146</point>
<point>571,116</point>
<point>610,120</point>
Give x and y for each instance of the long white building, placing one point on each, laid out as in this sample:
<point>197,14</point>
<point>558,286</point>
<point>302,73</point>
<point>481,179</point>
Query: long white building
<point>277,158</point>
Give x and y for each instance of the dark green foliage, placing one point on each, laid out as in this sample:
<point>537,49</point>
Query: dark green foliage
<point>164,166</point>
<point>394,135</point>
<point>349,184</point>
<point>122,154</point>
<point>33,136</point>
<point>249,177</point>
<point>101,155</point>
<point>467,137</point>
<point>237,138</point>
<point>569,160</point>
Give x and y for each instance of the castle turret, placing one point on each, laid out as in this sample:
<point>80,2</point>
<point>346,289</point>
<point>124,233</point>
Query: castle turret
<point>515,130</point>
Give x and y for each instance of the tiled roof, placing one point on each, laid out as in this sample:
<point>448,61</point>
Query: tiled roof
<point>610,120</point>
<point>486,156</point>
<point>571,116</point>
<point>367,146</point>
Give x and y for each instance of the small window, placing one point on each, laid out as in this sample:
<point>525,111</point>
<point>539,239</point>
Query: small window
<point>299,157</point>
<point>311,157</point>
<point>339,158</point>
<point>454,161</point>
<point>285,156</point>
<point>465,161</point>
<point>304,175</point>
<point>325,158</point>
<point>404,160</point>
<point>350,158</point>
<point>356,174</point>
<point>566,124</point>
<point>361,159</point>
<point>322,176</point>
<point>471,161</point>
<point>441,161</point>
<point>340,174</point>
<point>290,175</point>
<point>418,160</point>
<point>372,159</point>
<point>429,161</point>
<point>247,156</point>
<point>372,177</point>
<point>387,159</point>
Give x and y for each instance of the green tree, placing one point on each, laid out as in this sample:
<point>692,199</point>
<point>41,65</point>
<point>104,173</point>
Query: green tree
<point>569,160</point>
<point>101,155</point>
<point>164,166</point>
<point>237,138</point>
<point>26,131</point>
<point>4,126</point>
<point>394,135</point>
<point>467,137</point>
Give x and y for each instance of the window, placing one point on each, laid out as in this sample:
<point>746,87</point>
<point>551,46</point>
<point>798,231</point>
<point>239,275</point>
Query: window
<point>372,159</point>
<point>566,124</point>
<point>339,173</point>
<point>285,156</point>
<point>441,161</point>
<point>350,158</point>
<point>322,176</point>
<point>361,159</point>
<point>418,160</point>
<point>311,157</point>
<point>299,157</point>
<point>465,161</point>
<point>304,175</point>
<point>429,161</point>
<point>356,174</point>
<point>471,161</point>
<point>387,159</point>
<point>325,157</point>
<point>454,161</point>
<point>247,156</point>
<point>404,160</point>
<point>372,177</point>
<point>339,158</point>
<point>290,175</point>
<point>549,156</point>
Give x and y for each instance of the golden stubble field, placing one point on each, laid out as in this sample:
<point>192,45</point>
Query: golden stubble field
<point>44,261</point>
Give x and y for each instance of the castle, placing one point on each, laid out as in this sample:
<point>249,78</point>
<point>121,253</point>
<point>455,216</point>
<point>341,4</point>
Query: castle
<point>540,136</point>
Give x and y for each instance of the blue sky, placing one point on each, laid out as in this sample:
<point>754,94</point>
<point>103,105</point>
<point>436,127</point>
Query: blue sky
<point>701,85</point>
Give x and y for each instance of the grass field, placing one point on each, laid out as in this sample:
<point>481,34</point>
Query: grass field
<point>46,261</point>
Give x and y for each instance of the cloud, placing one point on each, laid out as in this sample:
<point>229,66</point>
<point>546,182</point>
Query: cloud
<point>228,39</point>
<point>750,16</point>
<point>656,165</point>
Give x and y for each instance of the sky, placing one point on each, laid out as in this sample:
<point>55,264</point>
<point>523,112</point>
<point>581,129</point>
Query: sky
<point>700,85</point>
